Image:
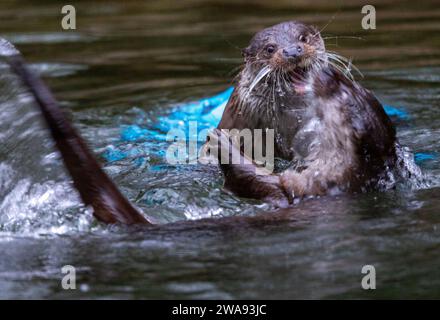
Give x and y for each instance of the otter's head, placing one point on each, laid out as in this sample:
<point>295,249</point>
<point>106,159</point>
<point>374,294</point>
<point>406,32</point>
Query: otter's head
<point>289,46</point>
<point>287,52</point>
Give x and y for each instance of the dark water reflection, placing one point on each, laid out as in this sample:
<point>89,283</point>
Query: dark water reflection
<point>130,56</point>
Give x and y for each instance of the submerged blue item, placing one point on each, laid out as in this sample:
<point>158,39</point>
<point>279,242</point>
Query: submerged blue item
<point>206,112</point>
<point>396,112</point>
<point>421,157</point>
<point>194,117</point>
<point>112,154</point>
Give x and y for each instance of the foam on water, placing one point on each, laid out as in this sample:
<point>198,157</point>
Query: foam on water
<point>7,49</point>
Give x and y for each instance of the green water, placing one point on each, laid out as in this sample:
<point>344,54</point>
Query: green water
<point>131,57</point>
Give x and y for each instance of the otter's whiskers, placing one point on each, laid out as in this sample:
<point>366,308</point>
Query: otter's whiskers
<point>340,63</point>
<point>263,72</point>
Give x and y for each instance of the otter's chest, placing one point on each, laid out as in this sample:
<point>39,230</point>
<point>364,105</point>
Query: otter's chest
<point>316,130</point>
<point>295,133</point>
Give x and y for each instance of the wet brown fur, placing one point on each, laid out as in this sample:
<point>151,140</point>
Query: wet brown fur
<point>345,141</point>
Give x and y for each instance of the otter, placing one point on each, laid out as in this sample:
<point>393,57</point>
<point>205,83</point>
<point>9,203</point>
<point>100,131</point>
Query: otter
<point>335,132</point>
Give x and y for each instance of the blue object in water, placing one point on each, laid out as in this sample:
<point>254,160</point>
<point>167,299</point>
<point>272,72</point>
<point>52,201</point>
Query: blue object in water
<point>206,112</point>
<point>133,133</point>
<point>112,154</point>
<point>396,112</point>
<point>420,157</point>
<point>209,104</point>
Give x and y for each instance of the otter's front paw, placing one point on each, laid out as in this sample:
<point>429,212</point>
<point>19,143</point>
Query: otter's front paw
<point>293,184</point>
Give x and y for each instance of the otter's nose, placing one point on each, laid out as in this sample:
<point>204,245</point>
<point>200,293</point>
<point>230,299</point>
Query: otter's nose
<point>292,52</point>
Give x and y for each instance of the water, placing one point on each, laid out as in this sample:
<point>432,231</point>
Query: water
<point>132,63</point>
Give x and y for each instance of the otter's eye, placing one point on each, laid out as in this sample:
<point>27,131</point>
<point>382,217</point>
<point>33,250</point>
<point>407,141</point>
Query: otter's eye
<point>302,38</point>
<point>270,49</point>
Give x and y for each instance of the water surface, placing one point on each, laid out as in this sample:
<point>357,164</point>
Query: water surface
<point>134,62</point>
